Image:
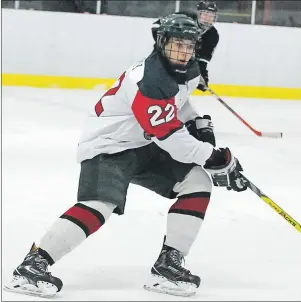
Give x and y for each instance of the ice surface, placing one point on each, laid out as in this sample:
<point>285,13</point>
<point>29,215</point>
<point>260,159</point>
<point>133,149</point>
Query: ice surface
<point>244,251</point>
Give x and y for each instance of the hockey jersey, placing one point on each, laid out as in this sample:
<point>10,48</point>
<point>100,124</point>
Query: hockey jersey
<point>146,105</point>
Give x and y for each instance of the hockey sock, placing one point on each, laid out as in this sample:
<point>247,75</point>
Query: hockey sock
<point>73,227</point>
<point>184,220</point>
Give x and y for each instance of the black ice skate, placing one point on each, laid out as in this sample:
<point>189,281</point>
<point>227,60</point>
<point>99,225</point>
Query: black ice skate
<point>31,277</point>
<point>170,277</point>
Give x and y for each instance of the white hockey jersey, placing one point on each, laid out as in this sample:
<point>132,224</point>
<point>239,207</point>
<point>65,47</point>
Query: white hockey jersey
<point>146,105</point>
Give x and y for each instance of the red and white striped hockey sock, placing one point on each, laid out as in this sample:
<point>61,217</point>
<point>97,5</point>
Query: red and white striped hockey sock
<point>73,227</point>
<point>184,220</point>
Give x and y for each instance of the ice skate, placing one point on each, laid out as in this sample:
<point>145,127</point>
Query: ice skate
<point>31,277</point>
<point>170,277</point>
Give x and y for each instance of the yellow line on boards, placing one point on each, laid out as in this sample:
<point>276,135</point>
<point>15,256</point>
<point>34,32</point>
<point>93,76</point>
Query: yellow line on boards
<point>43,81</point>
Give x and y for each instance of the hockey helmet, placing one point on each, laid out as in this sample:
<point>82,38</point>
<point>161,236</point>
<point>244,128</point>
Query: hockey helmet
<point>207,14</point>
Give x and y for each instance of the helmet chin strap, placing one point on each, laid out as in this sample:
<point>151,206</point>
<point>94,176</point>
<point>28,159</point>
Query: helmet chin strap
<point>176,68</point>
<point>173,67</point>
<point>179,68</point>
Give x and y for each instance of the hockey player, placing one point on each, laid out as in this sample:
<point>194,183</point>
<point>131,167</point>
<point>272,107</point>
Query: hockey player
<point>205,17</point>
<point>136,133</point>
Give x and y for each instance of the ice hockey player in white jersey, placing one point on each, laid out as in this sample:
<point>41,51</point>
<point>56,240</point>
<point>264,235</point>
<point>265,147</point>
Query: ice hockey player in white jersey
<point>205,17</point>
<point>136,133</point>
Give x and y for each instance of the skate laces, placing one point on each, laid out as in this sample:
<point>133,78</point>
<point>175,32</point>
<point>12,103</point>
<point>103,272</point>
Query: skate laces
<point>41,263</point>
<point>177,258</point>
<point>38,261</point>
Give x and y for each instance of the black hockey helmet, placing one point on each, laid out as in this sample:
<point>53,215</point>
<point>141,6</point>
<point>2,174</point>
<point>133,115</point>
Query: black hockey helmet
<point>207,14</point>
<point>176,26</point>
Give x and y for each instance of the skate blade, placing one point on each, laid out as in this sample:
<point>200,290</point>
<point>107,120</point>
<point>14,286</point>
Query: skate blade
<point>20,285</point>
<point>160,284</point>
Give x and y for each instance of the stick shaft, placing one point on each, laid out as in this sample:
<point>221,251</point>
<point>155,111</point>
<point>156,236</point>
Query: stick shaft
<point>273,205</point>
<point>258,133</point>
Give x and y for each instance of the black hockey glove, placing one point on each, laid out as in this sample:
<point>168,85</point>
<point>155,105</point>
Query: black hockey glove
<point>239,181</point>
<point>202,129</point>
<point>203,84</point>
<point>224,169</point>
<point>191,127</point>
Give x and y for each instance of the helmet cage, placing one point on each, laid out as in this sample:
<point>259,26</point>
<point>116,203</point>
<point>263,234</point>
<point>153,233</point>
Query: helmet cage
<point>206,19</point>
<point>182,30</point>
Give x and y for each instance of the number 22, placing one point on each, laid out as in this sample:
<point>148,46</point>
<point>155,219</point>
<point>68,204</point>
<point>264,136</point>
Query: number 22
<point>155,120</point>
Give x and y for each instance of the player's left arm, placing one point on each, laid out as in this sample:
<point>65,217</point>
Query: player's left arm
<point>204,53</point>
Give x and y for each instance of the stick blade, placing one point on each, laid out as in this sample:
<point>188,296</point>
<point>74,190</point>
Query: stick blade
<point>272,134</point>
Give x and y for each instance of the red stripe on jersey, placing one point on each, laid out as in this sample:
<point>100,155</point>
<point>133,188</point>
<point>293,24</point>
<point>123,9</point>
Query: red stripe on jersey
<point>112,91</point>
<point>197,204</point>
<point>156,117</point>
<point>86,217</point>
<point>99,108</point>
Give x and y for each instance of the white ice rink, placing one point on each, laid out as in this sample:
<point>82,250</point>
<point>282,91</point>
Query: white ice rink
<point>244,251</point>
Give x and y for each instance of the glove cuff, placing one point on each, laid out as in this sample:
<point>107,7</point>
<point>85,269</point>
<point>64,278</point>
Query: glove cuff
<point>224,169</point>
<point>204,122</point>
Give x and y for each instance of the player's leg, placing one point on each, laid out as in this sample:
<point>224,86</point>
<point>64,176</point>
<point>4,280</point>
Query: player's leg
<point>186,215</point>
<point>102,190</point>
<point>191,185</point>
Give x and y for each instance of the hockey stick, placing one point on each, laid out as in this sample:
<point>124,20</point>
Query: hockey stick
<point>258,133</point>
<point>272,204</point>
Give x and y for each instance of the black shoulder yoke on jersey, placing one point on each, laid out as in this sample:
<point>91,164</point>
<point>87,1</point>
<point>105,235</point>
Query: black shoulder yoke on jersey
<point>204,50</point>
<point>161,84</point>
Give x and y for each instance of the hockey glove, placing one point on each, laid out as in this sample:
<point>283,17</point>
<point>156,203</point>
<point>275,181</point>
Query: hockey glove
<point>204,128</point>
<point>191,127</point>
<point>240,184</point>
<point>224,169</point>
<point>203,85</point>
